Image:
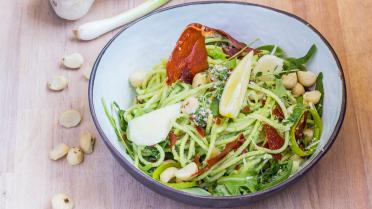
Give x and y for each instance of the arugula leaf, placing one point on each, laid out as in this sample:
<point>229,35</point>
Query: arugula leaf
<point>216,52</point>
<point>242,179</point>
<point>320,88</point>
<point>197,191</point>
<point>275,174</point>
<point>293,63</point>
<point>297,110</point>
<point>222,191</point>
<point>267,49</point>
<point>123,123</point>
<point>231,64</point>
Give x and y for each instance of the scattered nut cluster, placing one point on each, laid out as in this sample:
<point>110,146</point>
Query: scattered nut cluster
<point>70,61</point>
<point>69,119</point>
<point>297,83</point>
<point>75,155</point>
<point>182,174</point>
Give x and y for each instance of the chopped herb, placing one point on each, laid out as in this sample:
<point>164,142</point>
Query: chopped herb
<point>201,116</point>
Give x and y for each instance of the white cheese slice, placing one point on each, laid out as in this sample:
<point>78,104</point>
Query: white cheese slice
<point>153,127</point>
<point>268,65</point>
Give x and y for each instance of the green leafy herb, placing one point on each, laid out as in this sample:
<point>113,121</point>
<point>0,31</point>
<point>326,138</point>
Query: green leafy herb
<point>267,49</point>
<point>216,52</point>
<point>297,110</point>
<point>222,191</point>
<point>279,90</point>
<point>239,180</point>
<point>275,174</point>
<point>293,63</point>
<point>122,121</point>
<point>197,191</point>
<point>320,88</point>
<point>231,64</point>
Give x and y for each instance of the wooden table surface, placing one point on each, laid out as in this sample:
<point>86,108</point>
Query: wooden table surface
<point>33,40</point>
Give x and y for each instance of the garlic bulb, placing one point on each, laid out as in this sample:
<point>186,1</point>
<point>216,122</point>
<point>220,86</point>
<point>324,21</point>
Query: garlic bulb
<point>71,9</point>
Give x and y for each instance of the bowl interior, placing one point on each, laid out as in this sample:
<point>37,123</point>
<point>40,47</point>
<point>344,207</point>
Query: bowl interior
<point>152,39</point>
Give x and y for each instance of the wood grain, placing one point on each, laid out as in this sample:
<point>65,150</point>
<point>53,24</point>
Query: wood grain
<point>33,40</point>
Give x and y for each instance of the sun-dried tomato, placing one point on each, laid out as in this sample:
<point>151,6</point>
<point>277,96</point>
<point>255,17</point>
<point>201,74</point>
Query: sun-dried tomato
<point>246,110</point>
<point>197,160</point>
<point>230,146</point>
<point>301,126</point>
<point>274,140</point>
<point>172,139</point>
<point>217,120</point>
<point>200,131</point>
<point>278,112</point>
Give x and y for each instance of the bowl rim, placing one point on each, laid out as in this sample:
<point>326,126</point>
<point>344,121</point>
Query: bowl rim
<point>141,177</point>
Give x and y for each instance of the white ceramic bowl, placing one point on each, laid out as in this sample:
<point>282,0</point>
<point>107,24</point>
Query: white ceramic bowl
<point>143,43</point>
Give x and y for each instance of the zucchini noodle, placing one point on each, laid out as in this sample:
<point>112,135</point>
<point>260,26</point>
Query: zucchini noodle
<point>153,164</point>
<point>270,94</point>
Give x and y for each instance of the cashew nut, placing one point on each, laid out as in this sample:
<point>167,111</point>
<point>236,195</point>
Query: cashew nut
<point>199,80</point>
<point>59,151</point>
<point>70,118</point>
<point>186,173</point>
<point>75,156</point>
<point>290,80</point>
<point>190,105</point>
<point>87,142</point>
<point>137,78</point>
<point>312,96</point>
<point>73,61</point>
<point>306,78</point>
<point>298,90</point>
<point>62,201</point>
<point>168,174</point>
<point>58,83</point>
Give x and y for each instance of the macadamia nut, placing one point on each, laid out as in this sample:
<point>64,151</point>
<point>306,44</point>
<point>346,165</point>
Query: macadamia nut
<point>75,156</point>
